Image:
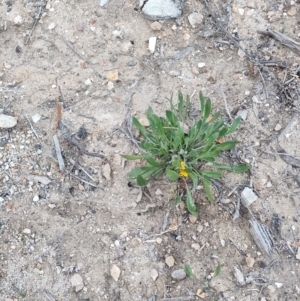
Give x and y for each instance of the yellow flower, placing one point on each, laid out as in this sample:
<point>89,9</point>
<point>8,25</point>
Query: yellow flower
<point>183,172</point>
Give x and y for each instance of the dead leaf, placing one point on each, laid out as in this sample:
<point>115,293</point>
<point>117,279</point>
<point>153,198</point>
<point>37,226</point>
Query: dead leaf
<point>112,75</point>
<point>57,114</point>
<point>200,293</point>
<point>192,218</point>
<point>173,225</point>
<point>212,76</point>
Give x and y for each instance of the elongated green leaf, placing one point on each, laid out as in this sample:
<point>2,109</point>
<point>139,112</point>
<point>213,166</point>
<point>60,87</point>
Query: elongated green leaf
<point>172,118</point>
<point>226,145</point>
<point>188,270</point>
<point>234,125</point>
<point>211,174</point>
<point>207,108</point>
<point>133,157</point>
<point>139,171</point>
<point>207,184</point>
<point>152,161</point>
<point>172,175</point>
<point>190,203</point>
<point>222,166</point>
<point>241,168</point>
<point>202,102</point>
<point>217,271</point>
<point>177,200</point>
<point>194,178</point>
<point>141,128</point>
<point>141,181</point>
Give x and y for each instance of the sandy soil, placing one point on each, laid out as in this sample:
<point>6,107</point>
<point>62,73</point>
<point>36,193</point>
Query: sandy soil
<point>53,231</point>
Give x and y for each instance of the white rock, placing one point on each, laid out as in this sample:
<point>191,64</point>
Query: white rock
<point>195,19</point>
<point>26,231</point>
<point>241,11</point>
<point>248,197</point>
<point>201,65</point>
<point>298,254</point>
<point>277,127</point>
<point>52,26</point>
<point>1,199</point>
<point>36,118</point>
<point>158,9</point>
<point>103,2</point>
<point>239,276</point>
<point>77,282</point>
<point>178,274</point>
<point>115,272</point>
<point>7,121</point>
<point>154,274</point>
<point>18,20</point>
<point>106,171</point>
<point>88,82</point>
<point>222,241</point>
<point>278,284</point>
<point>152,44</point>
<point>243,114</point>
<point>36,198</point>
<point>110,86</point>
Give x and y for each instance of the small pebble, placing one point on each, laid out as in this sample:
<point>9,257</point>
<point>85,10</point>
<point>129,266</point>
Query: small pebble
<point>36,198</point>
<point>277,127</point>
<point>36,118</point>
<point>156,26</point>
<point>201,65</point>
<point>195,19</point>
<point>170,261</point>
<point>178,274</point>
<point>18,20</point>
<point>152,44</point>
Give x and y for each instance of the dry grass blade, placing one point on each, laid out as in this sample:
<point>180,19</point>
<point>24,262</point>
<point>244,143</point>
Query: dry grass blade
<point>288,158</point>
<point>262,237</point>
<point>283,39</point>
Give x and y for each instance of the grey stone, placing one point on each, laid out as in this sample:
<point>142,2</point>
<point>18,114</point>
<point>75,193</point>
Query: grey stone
<point>178,274</point>
<point>195,19</point>
<point>7,121</point>
<point>157,9</point>
<point>77,282</point>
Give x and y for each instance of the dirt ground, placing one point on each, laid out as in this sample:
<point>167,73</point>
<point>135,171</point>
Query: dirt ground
<point>87,224</point>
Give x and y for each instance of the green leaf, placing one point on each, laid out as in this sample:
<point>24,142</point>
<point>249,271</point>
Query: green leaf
<point>133,157</point>
<point>141,128</point>
<point>228,145</point>
<point>188,270</point>
<point>190,203</point>
<point>177,200</point>
<point>194,178</point>
<point>217,271</point>
<point>152,161</point>
<point>172,175</point>
<point>241,168</point>
<point>139,171</point>
<point>207,184</point>
<point>222,166</point>
<point>234,125</point>
<point>172,118</point>
<point>202,102</point>
<point>141,181</point>
<point>207,109</point>
<point>212,174</point>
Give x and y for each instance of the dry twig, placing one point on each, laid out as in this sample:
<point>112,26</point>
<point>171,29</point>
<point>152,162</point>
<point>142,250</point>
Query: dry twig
<point>283,39</point>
